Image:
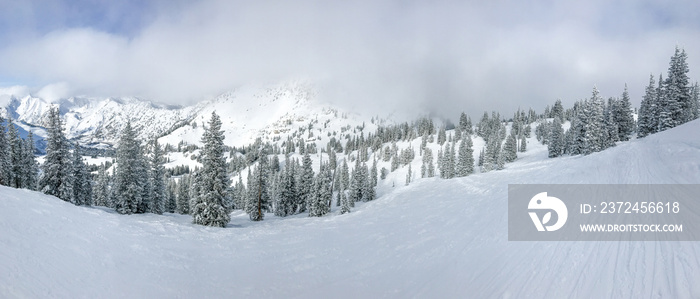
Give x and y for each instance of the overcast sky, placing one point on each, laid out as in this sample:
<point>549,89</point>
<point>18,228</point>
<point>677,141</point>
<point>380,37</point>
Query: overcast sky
<point>446,56</point>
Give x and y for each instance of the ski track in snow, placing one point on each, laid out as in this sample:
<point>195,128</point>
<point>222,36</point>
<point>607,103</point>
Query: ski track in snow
<point>432,239</point>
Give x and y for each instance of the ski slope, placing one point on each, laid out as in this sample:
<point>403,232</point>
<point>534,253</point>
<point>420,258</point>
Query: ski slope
<point>432,239</point>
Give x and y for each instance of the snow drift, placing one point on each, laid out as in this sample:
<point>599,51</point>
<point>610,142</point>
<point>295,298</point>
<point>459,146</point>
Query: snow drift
<point>435,238</point>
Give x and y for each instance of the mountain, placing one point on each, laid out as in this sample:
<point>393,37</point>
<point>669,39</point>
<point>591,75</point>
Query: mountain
<point>97,122</point>
<point>247,113</point>
<point>433,238</point>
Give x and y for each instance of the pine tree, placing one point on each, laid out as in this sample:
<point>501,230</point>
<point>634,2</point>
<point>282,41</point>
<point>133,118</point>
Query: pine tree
<point>142,172</point>
<point>291,196</point>
<point>305,183</point>
<point>5,162</point>
<point>355,189</point>
<point>240,193</point>
<point>556,137</point>
<point>427,169</point>
<point>82,184</point>
<point>481,158</point>
<point>344,201</point>
<point>171,204</point>
<point>16,153</point>
<point>678,99</point>
<point>56,176</point>
<point>373,173</point>
<point>612,132</point>
<point>408,175</point>
<point>558,110</point>
<point>523,143</point>
<point>182,205</point>
<point>345,175</point>
<point>622,115</point>
<point>646,122</point>
<point>501,160</point>
<point>664,109</point>
<point>510,148</point>
<point>695,101</point>
<point>128,185</point>
<point>465,161</point>
<point>159,194</point>
<point>442,137</point>
<point>394,162</point>
<point>258,196</point>
<point>31,170</point>
<point>322,193</point>
<point>575,141</point>
<point>211,210</point>
<point>465,124</point>
<point>101,189</point>
<point>594,124</point>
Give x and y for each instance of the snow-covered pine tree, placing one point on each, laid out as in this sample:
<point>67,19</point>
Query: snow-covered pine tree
<point>611,129</point>
<point>451,160</point>
<point>305,183</point>
<point>290,188</point>
<point>556,139</point>
<point>280,204</point>
<point>182,205</point>
<point>344,201</point>
<point>31,170</point>
<point>5,159</point>
<point>465,161</point>
<point>158,194</point>
<point>558,110</point>
<point>171,203</point>
<point>646,120</point>
<point>464,124</point>
<point>481,158</point>
<point>622,115</point>
<point>128,188</point>
<point>356,183</point>
<point>408,175</point>
<point>258,196</point>
<point>143,170</point>
<point>394,162</point>
<point>215,183</point>
<point>345,175</point>
<point>493,149</point>
<point>100,191</point>
<point>332,158</point>
<point>523,143</point>
<point>678,97</point>
<point>695,101</point>
<point>594,124</point>
<point>240,194</point>
<point>442,137</point>
<point>56,176</point>
<point>82,183</point>
<point>373,173</point>
<point>510,148</point>
<point>16,153</point>
<point>427,169</point>
<point>322,193</point>
<point>501,160</point>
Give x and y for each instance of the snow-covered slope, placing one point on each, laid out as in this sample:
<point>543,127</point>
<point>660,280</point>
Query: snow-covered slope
<point>98,122</point>
<point>247,113</point>
<point>434,238</point>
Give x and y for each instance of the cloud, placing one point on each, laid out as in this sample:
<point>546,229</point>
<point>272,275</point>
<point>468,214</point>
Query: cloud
<point>443,57</point>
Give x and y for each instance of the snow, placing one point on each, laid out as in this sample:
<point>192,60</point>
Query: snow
<point>434,238</point>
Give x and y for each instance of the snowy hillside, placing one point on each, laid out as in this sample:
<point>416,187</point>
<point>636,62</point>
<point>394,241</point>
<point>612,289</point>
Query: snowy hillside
<point>434,238</point>
<point>249,112</point>
<point>98,122</point>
